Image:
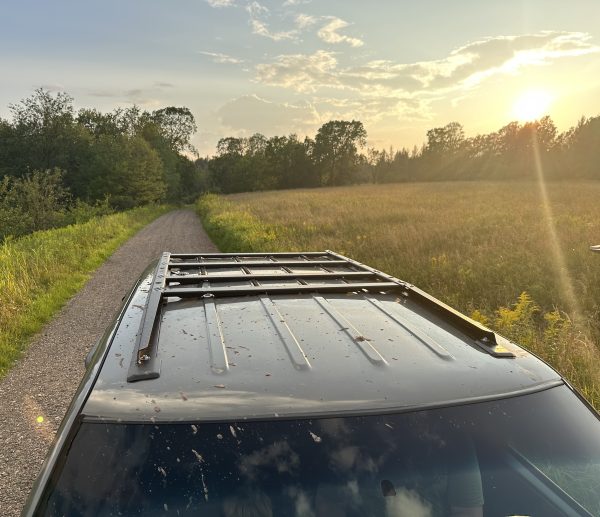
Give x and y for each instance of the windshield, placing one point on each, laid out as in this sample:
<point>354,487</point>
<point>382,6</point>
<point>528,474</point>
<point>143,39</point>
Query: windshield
<point>518,456</point>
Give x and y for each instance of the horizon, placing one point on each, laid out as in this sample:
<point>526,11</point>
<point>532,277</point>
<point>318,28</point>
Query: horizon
<point>282,67</point>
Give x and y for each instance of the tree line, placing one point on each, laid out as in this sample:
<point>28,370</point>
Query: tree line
<point>129,155</point>
<point>58,164</point>
<point>337,156</point>
<point>282,162</point>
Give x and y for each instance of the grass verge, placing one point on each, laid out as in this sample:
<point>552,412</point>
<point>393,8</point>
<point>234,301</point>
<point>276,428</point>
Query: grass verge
<point>41,271</point>
<point>482,248</point>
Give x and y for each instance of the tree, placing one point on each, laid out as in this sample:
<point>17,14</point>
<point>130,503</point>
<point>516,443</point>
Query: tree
<point>98,123</point>
<point>144,182</point>
<point>45,133</point>
<point>177,126</point>
<point>224,167</point>
<point>445,140</point>
<point>336,150</point>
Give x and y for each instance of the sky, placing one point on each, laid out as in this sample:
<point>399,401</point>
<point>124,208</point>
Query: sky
<point>288,66</point>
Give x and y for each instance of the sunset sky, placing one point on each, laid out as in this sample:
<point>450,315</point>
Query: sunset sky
<point>288,66</point>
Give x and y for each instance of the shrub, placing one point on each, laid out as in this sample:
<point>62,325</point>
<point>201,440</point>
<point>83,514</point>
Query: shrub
<point>37,201</point>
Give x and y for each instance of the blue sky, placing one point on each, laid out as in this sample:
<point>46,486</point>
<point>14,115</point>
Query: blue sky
<point>286,66</point>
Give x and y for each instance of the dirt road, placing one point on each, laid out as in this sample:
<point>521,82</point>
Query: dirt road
<point>44,381</point>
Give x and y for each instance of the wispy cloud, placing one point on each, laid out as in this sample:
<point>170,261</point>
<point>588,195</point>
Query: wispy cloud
<point>305,20</point>
<point>218,57</point>
<point>295,2</point>
<point>220,3</point>
<point>260,28</point>
<point>329,33</point>
<point>256,9</point>
<point>146,97</point>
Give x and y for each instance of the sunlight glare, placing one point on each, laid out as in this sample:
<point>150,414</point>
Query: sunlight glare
<point>532,105</point>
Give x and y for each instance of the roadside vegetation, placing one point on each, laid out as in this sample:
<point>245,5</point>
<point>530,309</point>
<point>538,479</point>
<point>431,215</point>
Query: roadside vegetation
<point>41,271</point>
<point>487,249</point>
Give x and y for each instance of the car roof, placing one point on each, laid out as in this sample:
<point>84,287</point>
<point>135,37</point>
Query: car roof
<point>295,335</point>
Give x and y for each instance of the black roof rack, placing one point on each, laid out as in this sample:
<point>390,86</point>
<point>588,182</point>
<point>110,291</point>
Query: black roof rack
<point>218,275</point>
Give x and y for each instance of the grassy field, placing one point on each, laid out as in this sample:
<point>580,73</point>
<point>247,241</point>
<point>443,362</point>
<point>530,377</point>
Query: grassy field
<point>511,255</point>
<point>41,271</point>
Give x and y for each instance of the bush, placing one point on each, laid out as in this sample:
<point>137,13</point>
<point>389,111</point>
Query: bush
<point>37,201</point>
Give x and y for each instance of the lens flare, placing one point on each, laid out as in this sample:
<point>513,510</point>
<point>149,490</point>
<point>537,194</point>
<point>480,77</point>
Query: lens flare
<point>560,264</point>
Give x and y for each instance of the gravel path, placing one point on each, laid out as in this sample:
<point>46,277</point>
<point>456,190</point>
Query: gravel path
<point>46,378</point>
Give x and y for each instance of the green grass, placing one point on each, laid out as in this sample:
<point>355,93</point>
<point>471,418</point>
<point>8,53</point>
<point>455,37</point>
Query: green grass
<point>487,249</point>
<point>41,271</point>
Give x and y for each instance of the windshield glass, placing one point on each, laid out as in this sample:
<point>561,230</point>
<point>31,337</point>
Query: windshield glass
<point>537,454</point>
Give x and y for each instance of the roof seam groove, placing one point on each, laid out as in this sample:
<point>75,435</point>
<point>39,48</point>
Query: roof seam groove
<point>368,350</point>
<point>429,342</point>
<point>216,343</point>
<point>290,343</point>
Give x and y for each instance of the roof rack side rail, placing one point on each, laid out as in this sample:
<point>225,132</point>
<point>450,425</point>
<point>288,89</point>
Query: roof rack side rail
<point>485,338</point>
<point>144,364</point>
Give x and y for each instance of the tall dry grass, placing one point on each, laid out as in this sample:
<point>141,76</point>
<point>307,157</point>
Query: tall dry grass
<point>41,271</point>
<point>477,246</point>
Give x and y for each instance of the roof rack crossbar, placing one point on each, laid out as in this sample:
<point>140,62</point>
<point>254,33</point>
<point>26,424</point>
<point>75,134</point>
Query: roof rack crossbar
<point>192,279</point>
<point>256,263</point>
<point>286,254</point>
<point>196,292</point>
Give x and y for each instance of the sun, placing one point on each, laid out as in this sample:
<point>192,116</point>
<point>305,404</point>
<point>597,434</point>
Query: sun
<point>532,105</point>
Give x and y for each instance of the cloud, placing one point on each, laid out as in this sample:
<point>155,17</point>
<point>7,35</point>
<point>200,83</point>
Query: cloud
<point>463,68</point>
<point>140,96</point>
<point>220,3</point>
<point>256,9</point>
<point>301,72</point>
<point>218,57</point>
<point>382,88</point>
<point>295,2</point>
<point>329,33</point>
<point>305,20</point>
<point>105,93</point>
<point>260,28</point>
<point>251,113</point>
